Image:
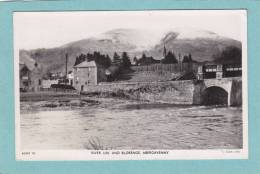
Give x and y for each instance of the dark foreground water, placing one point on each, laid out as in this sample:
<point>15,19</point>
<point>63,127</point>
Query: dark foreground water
<point>122,124</point>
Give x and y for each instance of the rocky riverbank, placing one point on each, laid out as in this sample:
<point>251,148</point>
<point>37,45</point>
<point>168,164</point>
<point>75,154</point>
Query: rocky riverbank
<point>58,104</point>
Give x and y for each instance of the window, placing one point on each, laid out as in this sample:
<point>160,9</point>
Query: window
<point>87,82</point>
<point>211,70</point>
<point>25,77</point>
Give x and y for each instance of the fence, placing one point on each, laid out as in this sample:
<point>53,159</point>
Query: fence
<point>174,68</point>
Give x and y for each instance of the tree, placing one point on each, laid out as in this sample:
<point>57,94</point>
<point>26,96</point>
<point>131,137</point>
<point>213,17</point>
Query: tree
<point>135,61</point>
<point>170,58</point>
<point>107,61</point>
<point>116,59</point>
<point>143,60</point>
<point>164,51</point>
<point>81,58</point>
<point>190,58</point>
<point>187,59</point>
<point>125,60</point>
<point>99,58</point>
<point>143,56</point>
<point>90,57</point>
<point>230,55</point>
<point>76,61</point>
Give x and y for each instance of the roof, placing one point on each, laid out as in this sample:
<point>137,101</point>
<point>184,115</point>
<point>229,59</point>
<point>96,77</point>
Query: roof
<point>86,64</point>
<point>21,65</point>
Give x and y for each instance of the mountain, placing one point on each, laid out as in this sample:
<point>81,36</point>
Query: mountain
<point>202,45</point>
<point>132,41</point>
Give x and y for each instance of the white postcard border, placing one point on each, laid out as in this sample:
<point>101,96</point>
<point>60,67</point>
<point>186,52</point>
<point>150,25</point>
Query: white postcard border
<point>38,155</point>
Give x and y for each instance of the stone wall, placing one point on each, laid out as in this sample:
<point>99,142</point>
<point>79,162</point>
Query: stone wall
<point>176,92</point>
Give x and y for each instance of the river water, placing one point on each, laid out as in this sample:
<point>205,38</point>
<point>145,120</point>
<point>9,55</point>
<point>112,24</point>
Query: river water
<point>123,124</point>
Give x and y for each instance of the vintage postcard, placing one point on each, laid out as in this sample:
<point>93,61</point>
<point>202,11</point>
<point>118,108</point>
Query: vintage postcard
<point>131,85</point>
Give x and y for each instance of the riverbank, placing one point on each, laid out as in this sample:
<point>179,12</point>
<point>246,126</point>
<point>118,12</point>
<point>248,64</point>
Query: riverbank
<point>47,96</point>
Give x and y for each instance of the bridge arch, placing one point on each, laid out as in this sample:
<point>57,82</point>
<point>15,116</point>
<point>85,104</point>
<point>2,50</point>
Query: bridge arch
<point>215,95</point>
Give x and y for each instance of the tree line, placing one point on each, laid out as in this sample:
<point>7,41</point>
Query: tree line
<point>123,60</point>
<point>230,55</point>
<point>169,58</point>
<point>105,60</point>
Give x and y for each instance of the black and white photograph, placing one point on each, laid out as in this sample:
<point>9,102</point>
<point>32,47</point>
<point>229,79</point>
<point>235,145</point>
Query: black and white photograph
<point>155,84</point>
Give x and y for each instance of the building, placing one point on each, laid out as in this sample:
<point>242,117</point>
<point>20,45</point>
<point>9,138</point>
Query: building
<point>70,77</point>
<point>218,71</point>
<point>30,77</point>
<point>25,76</point>
<point>46,83</point>
<point>36,78</point>
<point>88,73</point>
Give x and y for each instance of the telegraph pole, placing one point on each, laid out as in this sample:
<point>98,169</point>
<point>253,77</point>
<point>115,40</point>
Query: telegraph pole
<point>180,62</point>
<point>164,56</point>
<point>66,70</point>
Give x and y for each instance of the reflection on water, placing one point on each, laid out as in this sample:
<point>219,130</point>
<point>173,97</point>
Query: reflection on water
<point>121,124</point>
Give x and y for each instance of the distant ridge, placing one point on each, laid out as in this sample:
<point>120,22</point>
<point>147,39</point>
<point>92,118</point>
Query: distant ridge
<point>201,44</point>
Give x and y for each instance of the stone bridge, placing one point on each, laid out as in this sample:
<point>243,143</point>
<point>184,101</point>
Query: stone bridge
<point>218,91</point>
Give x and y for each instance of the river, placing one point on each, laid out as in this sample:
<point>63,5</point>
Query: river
<point>124,124</point>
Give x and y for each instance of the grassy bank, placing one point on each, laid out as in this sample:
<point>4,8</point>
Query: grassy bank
<point>52,96</point>
<point>129,94</point>
<point>47,95</point>
<point>164,93</point>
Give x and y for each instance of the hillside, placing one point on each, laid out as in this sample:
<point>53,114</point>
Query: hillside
<point>203,45</point>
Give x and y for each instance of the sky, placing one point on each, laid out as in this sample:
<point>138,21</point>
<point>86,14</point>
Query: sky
<point>53,29</point>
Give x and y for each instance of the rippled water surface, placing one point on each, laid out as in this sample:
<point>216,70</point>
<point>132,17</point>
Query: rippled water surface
<point>122,124</point>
